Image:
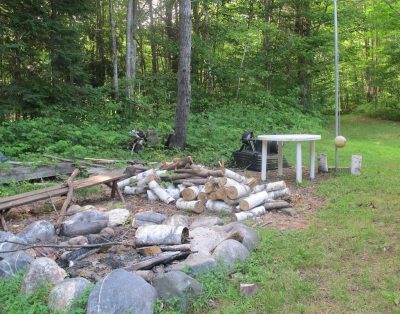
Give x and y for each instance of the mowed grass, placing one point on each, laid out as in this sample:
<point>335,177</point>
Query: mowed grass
<point>348,260</point>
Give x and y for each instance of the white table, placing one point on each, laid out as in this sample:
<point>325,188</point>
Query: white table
<point>298,138</point>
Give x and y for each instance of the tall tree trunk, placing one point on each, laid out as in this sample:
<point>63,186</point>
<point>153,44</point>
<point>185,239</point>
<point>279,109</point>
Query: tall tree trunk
<point>131,47</point>
<point>100,58</point>
<point>268,8</point>
<point>178,140</point>
<point>114,50</point>
<point>153,45</point>
<point>171,34</point>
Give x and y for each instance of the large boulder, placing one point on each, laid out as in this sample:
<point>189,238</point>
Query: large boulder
<point>207,221</point>
<point>250,237</point>
<point>196,264</point>
<point>148,218</point>
<point>42,271</point>
<point>230,252</point>
<point>63,294</point>
<point>86,222</point>
<point>117,217</point>
<point>177,285</point>
<point>204,240</point>
<point>13,263</point>
<point>7,246</point>
<point>39,232</point>
<point>122,292</point>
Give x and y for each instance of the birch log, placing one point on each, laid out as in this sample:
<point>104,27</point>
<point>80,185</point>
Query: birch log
<point>255,212</point>
<point>235,192</point>
<point>161,192</point>
<point>218,206</point>
<point>126,182</point>
<point>272,204</point>
<point>152,196</point>
<point>253,200</point>
<point>273,186</point>
<point>278,194</point>
<point>190,193</point>
<point>235,176</point>
<point>356,161</point>
<point>219,194</point>
<point>193,206</point>
<point>133,190</point>
<point>202,196</point>
<point>161,234</point>
<point>173,191</point>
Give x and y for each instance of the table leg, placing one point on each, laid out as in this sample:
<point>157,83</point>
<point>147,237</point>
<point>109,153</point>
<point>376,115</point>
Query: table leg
<point>280,158</point>
<point>264,160</point>
<point>298,163</point>
<point>312,159</point>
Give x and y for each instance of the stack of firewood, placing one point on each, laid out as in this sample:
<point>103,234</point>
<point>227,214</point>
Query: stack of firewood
<point>197,189</point>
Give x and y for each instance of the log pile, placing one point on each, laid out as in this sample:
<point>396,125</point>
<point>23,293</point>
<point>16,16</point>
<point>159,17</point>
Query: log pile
<point>197,189</point>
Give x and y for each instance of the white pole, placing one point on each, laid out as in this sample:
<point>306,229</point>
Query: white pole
<point>336,79</point>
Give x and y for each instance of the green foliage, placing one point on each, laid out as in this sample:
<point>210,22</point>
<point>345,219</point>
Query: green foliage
<point>12,301</point>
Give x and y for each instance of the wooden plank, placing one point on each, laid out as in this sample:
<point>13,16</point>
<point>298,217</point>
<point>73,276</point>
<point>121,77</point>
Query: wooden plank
<point>46,193</point>
<point>22,173</point>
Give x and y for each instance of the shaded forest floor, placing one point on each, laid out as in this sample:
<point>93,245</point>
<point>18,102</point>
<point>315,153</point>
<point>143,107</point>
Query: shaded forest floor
<point>347,260</point>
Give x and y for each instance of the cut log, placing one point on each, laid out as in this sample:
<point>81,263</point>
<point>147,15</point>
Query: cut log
<point>178,163</point>
<point>161,192</point>
<point>233,175</point>
<point>134,190</point>
<point>253,200</point>
<point>173,191</point>
<point>190,193</point>
<point>193,206</point>
<point>219,194</point>
<point>163,258</point>
<point>270,205</point>
<point>255,212</point>
<point>323,162</point>
<point>178,247</point>
<point>356,161</point>
<point>211,185</point>
<point>126,182</point>
<point>191,181</point>
<point>199,171</point>
<point>273,186</point>
<point>145,181</point>
<point>161,234</point>
<point>151,196</point>
<point>237,191</point>
<point>149,250</point>
<point>278,194</point>
<point>218,206</point>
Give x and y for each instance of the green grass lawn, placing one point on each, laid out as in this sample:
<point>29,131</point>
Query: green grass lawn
<point>348,260</point>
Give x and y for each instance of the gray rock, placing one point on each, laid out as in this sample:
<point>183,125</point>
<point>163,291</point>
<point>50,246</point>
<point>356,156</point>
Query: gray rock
<point>230,252</point>
<point>148,218</point>
<point>177,284</point>
<point>63,294</point>
<point>39,232</point>
<point>208,221</point>
<point>204,240</point>
<point>74,209</point>
<point>13,263</point>
<point>42,271</point>
<point>79,240</point>
<point>117,217</point>
<point>248,289</point>
<point>107,232</point>
<point>250,237</point>
<point>121,292</point>
<point>177,220</point>
<point>83,223</point>
<point>5,246</point>
<point>196,264</point>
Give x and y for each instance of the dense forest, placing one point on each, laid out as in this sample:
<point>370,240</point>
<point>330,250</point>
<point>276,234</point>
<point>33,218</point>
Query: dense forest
<point>101,65</point>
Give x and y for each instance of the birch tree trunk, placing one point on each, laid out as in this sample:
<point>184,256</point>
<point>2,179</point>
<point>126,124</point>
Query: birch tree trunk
<point>178,140</point>
<point>115,52</point>
<point>131,47</point>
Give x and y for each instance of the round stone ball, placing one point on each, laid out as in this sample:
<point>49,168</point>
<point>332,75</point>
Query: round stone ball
<point>340,141</point>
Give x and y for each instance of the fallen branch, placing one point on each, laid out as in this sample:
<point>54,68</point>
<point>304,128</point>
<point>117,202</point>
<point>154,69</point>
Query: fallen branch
<point>70,183</point>
<point>163,258</point>
<point>58,246</point>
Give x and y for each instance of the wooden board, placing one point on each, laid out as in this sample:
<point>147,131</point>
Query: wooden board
<point>30,197</point>
<point>22,173</point>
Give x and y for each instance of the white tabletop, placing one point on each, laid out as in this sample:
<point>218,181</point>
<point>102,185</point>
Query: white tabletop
<point>289,137</point>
